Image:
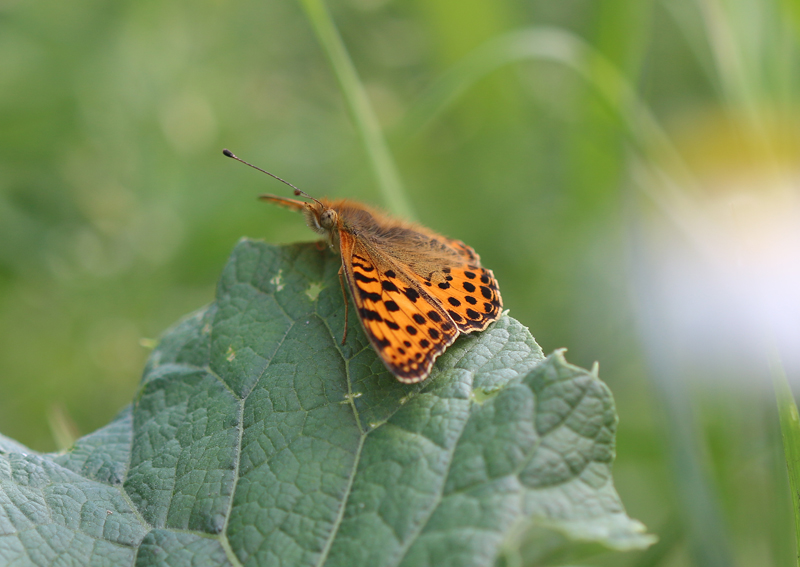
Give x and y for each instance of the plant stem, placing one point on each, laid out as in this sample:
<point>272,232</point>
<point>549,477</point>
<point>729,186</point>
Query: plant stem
<point>360,109</point>
<point>790,430</point>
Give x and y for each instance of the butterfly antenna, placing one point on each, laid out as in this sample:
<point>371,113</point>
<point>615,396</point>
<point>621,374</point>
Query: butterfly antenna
<point>297,191</point>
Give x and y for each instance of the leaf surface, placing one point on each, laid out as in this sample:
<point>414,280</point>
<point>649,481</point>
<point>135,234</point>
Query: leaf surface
<point>256,438</point>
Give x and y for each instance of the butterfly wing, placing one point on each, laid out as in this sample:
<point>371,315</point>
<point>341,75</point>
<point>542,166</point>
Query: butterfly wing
<point>468,292</point>
<point>407,329</point>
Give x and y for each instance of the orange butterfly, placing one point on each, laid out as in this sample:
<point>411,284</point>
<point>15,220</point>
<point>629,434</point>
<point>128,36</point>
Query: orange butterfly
<point>414,290</point>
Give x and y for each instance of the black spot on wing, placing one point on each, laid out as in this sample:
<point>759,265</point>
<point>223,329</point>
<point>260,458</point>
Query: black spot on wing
<point>434,316</point>
<point>455,316</point>
<point>363,267</point>
<point>369,314</point>
<point>358,276</point>
<point>369,295</point>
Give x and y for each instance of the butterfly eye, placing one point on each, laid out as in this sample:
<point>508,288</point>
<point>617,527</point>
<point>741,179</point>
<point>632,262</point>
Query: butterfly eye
<point>327,219</point>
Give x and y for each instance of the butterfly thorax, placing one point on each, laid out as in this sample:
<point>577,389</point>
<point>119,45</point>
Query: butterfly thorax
<point>330,217</point>
<point>413,246</point>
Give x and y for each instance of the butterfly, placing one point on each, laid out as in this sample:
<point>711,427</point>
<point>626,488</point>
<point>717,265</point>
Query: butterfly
<point>414,290</point>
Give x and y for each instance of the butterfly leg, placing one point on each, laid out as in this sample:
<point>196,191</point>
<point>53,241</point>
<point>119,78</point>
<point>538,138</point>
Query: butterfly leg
<point>346,305</point>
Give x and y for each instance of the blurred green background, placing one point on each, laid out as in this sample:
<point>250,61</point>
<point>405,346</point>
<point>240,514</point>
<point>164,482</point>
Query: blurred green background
<point>628,169</point>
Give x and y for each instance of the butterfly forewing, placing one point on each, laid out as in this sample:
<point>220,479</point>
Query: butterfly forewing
<point>407,328</point>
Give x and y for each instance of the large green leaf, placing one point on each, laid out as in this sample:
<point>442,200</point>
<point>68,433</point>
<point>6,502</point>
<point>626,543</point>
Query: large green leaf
<point>256,438</point>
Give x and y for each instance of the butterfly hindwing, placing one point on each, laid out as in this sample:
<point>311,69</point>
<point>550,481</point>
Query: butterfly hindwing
<point>468,292</point>
<point>406,328</point>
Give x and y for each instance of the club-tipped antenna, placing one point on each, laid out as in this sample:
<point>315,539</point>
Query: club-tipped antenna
<point>297,191</point>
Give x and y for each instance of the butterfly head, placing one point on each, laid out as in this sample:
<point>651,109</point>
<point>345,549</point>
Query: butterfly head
<point>321,218</point>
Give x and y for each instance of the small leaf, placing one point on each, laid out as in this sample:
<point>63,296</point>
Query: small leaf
<point>256,438</point>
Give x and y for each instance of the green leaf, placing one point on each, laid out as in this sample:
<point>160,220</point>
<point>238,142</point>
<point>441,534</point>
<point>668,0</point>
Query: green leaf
<point>256,438</point>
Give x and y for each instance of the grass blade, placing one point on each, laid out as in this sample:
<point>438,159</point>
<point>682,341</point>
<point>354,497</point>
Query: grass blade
<point>360,108</point>
<point>790,430</point>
